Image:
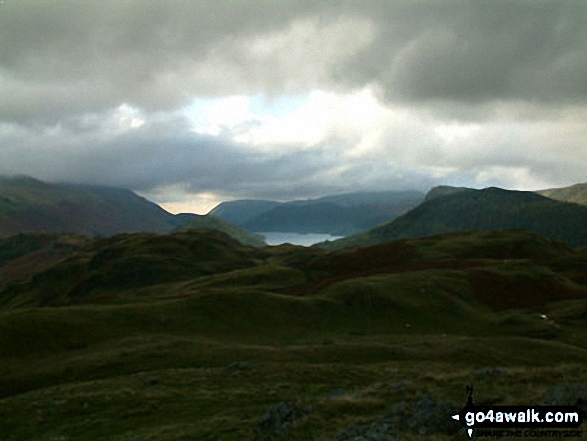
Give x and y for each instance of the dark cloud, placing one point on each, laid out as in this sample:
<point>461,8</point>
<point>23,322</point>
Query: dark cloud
<point>166,153</point>
<point>517,68</point>
<point>65,57</point>
<point>476,51</point>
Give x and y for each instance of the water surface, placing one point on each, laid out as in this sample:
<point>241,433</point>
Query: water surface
<point>278,238</point>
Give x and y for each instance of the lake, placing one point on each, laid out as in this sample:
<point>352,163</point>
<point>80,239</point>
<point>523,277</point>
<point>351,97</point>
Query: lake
<point>277,238</point>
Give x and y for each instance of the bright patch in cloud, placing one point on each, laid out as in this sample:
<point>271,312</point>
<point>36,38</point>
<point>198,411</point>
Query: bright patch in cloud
<point>295,121</point>
<point>128,117</point>
<point>519,178</point>
<point>177,198</point>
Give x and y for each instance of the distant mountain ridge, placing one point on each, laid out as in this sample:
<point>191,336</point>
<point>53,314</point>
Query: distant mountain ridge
<point>341,214</point>
<point>575,193</point>
<point>28,205</point>
<point>241,211</point>
<point>451,209</point>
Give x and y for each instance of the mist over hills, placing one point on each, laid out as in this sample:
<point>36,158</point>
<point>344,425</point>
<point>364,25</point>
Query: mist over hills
<point>453,209</point>
<point>342,214</point>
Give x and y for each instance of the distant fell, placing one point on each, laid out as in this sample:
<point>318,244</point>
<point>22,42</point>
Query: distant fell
<point>28,205</point>
<point>575,193</point>
<point>444,190</point>
<point>449,210</point>
<point>241,211</point>
<point>341,214</point>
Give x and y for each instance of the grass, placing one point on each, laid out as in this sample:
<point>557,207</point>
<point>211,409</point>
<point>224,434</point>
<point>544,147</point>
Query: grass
<point>204,357</point>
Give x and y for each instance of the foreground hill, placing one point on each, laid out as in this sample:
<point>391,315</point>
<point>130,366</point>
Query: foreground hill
<point>212,222</point>
<point>195,336</point>
<point>448,209</point>
<point>575,193</point>
<point>24,255</point>
<point>337,215</point>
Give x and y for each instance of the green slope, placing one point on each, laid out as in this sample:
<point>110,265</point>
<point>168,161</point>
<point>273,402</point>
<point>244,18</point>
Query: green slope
<point>24,255</point>
<point>490,209</point>
<point>209,221</point>
<point>129,262</point>
<point>210,334</point>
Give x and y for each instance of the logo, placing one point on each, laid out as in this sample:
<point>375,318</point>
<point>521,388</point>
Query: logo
<point>519,421</point>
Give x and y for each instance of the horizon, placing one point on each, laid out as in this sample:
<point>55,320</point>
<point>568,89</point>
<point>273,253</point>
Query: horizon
<point>194,104</point>
<point>207,211</point>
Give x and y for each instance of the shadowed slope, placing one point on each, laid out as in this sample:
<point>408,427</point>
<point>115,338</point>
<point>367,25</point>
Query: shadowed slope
<point>491,209</point>
<point>212,222</point>
<point>130,262</point>
<point>28,205</point>
<point>337,214</point>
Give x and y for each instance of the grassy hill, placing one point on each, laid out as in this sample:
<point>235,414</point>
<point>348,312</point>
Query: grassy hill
<point>195,336</point>
<point>28,205</point>
<point>448,210</point>
<point>337,214</point>
<point>23,255</point>
<point>575,193</point>
<point>212,222</point>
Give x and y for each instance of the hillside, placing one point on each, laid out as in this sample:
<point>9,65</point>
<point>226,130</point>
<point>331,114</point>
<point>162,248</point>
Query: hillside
<point>491,209</point>
<point>575,193</point>
<point>31,206</point>
<point>28,205</point>
<point>212,222</point>
<point>24,255</point>
<point>195,336</point>
<point>241,211</point>
<point>131,261</point>
<point>337,214</point>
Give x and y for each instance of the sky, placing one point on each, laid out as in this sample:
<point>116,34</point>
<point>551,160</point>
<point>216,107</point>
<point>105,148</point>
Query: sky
<point>190,103</point>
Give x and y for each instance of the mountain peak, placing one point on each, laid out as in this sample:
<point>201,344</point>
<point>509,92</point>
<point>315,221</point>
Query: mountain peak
<point>444,190</point>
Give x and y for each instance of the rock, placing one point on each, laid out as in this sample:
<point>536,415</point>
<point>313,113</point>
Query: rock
<point>489,371</point>
<point>567,394</point>
<point>429,416</point>
<point>336,393</point>
<point>278,420</point>
<point>238,366</point>
<point>378,431</point>
<point>425,416</point>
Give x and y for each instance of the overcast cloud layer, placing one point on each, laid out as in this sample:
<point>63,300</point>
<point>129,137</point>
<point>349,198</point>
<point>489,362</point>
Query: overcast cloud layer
<point>191,103</point>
